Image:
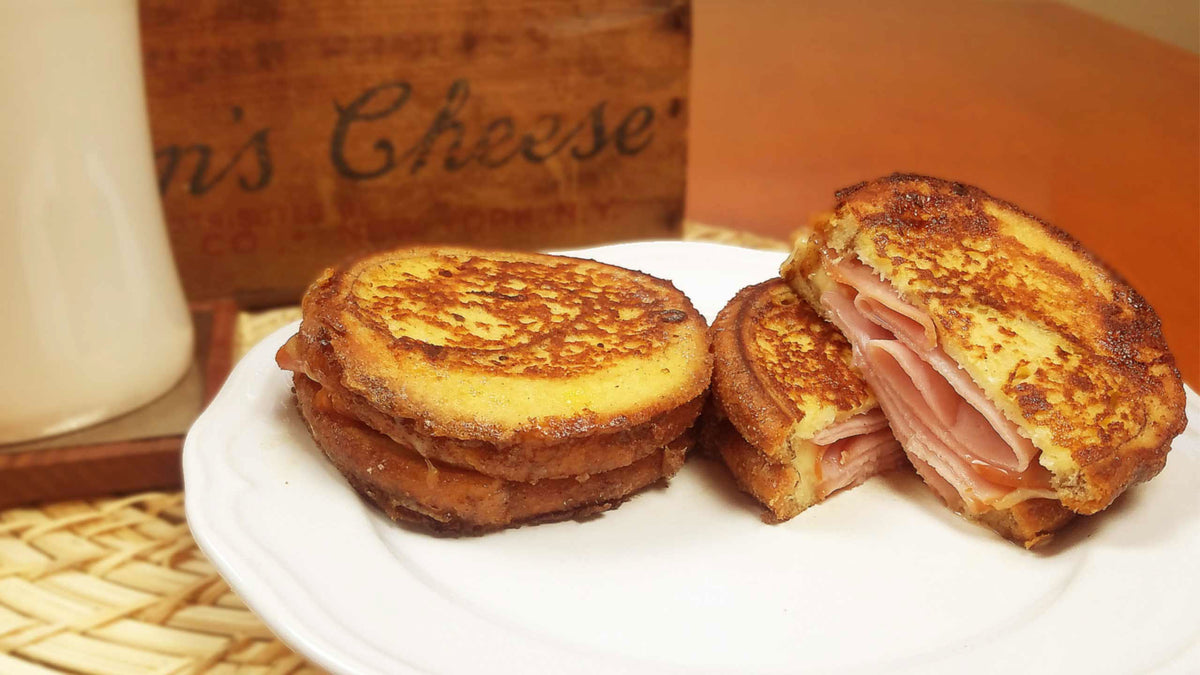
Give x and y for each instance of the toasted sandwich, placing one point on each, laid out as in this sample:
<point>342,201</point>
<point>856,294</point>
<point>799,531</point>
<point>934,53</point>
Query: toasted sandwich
<point>791,416</point>
<point>1026,381</point>
<point>520,368</point>
<point>447,499</point>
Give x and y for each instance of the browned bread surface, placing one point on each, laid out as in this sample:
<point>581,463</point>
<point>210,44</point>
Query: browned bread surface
<point>1031,523</point>
<point>450,500</point>
<point>773,484</point>
<point>508,348</point>
<point>537,459</point>
<point>780,369</point>
<point>1062,344</point>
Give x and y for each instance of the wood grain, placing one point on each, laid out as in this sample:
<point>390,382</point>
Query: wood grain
<point>1089,125</point>
<point>290,134</point>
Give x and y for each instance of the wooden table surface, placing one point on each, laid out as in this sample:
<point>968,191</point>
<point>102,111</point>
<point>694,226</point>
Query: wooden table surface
<point>1087,124</point>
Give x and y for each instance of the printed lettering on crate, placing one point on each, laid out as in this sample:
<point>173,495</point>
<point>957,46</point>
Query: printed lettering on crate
<point>291,134</point>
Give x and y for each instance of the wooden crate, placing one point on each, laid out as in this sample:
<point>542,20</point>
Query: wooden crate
<point>292,133</point>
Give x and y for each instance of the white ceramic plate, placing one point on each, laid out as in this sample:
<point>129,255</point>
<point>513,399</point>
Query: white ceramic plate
<point>881,579</point>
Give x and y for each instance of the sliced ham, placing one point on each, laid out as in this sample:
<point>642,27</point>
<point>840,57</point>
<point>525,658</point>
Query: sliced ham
<point>946,424</point>
<point>861,424</point>
<point>923,436</point>
<point>899,316</point>
<point>902,326</point>
<point>940,486</point>
<point>853,459</point>
<point>288,356</point>
<point>948,416</point>
<point>880,305</point>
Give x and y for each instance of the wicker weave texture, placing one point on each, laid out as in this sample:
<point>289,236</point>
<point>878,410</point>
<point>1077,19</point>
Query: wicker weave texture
<point>118,587</point>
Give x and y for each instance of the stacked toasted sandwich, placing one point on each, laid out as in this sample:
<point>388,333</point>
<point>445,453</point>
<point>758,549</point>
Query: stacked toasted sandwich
<point>1026,381</point>
<point>791,416</point>
<point>467,390</point>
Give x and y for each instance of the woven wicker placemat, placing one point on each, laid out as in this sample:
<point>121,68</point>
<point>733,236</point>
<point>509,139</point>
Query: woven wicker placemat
<point>118,587</point>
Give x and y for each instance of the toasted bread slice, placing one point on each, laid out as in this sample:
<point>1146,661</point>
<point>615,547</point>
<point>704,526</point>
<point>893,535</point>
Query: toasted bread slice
<point>508,348</point>
<point>1056,351</point>
<point>529,461</point>
<point>449,500</point>
<point>782,377</point>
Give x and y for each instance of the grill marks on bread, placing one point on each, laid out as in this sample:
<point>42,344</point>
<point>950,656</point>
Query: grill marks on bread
<point>805,357</point>
<point>536,318</point>
<point>506,347</point>
<point>1059,341</point>
<point>782,370</point>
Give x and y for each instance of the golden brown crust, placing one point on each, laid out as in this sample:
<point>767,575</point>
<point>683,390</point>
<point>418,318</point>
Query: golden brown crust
<point>772,483</point>
<point>1064,346</point>
<point>509,348</point>
<point>529,461</point>
<point>780,369</point>
<point>450,500</point>
<point>1031,523</point>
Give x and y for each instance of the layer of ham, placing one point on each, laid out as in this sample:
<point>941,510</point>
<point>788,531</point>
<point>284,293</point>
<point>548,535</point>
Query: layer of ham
<point>854,450</point>
<point>288,356</point>
<point>941,417</point>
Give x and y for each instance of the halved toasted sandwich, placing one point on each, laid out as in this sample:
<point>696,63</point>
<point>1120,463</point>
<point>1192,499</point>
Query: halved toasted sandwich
<point>791,417</point>
<point>1026,380</point>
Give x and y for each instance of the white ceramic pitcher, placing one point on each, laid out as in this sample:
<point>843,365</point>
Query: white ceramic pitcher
<point>93,321</point>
